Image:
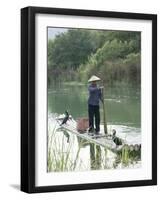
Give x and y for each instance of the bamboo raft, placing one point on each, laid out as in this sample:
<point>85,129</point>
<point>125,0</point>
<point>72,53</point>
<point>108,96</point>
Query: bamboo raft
<point>102,139</point>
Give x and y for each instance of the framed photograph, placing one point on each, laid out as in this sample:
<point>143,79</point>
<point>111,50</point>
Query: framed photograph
<point>88,99</point>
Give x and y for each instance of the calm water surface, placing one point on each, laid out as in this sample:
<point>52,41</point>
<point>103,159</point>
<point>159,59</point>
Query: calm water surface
<point>122,104</point>
<point>123,114</point>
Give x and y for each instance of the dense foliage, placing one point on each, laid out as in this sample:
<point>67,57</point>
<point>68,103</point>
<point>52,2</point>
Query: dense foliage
<point>77,54</point>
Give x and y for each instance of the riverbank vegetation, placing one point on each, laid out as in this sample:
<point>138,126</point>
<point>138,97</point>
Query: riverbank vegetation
<point>76,54</point>
<point>62,157</point>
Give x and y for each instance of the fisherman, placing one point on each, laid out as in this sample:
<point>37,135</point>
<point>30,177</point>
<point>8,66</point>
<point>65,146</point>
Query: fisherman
<point>95,95</point>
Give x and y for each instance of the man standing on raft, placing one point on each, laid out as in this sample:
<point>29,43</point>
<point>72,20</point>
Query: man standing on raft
<point>95,95</point>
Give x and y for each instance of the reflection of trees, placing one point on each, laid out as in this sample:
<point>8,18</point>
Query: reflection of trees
<point>73,98</point>
<point>95,156</point>
<point>123,104</point>
<point>82,142</point>
<point>128,156</point>
<point>66,134</point>
<point>119,100</point>
<point>95,153</point>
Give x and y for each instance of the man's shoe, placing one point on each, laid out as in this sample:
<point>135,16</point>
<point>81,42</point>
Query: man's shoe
<point>97,133</point>
<point>91,130</point>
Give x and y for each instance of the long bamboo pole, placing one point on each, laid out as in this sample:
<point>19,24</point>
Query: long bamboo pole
<point>104,112</point>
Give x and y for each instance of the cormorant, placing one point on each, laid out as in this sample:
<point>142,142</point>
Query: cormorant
<point>65,118</point>
<point>116,139</point>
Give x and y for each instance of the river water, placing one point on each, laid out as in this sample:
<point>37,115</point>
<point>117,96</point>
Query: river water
<point>123,110</point>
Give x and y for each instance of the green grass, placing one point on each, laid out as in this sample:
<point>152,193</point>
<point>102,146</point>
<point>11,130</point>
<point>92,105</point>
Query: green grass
<point>64,156</point>
<point>60,156</point>
<point>127,157</point>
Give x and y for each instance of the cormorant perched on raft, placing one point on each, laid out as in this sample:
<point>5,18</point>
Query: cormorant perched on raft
<point>65,118</point>
<point>116,140</point>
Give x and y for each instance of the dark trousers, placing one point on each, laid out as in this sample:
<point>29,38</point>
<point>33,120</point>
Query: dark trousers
<point>94,112</point>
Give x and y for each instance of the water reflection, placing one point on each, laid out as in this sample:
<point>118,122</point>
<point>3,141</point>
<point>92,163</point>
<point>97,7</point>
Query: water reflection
<point>67,152</point>
<point>66,135</point>
<point>123,103</point>
<point>95,156</point>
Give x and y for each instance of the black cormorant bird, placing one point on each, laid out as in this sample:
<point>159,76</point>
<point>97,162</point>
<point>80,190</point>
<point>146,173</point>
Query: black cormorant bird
<point>116,140</point>
<point>65,118</point>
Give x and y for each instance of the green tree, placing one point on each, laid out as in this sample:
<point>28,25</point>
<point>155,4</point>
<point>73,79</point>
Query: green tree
<point>70,49</point>
<point>79,53</point>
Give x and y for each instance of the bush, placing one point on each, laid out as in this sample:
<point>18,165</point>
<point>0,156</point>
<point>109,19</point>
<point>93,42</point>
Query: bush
<point>115,61</point>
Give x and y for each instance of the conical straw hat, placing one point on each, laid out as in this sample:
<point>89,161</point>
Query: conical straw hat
<point>94,78</point>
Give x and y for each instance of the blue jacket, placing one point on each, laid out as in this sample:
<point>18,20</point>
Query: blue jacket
<point>95,95</point>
